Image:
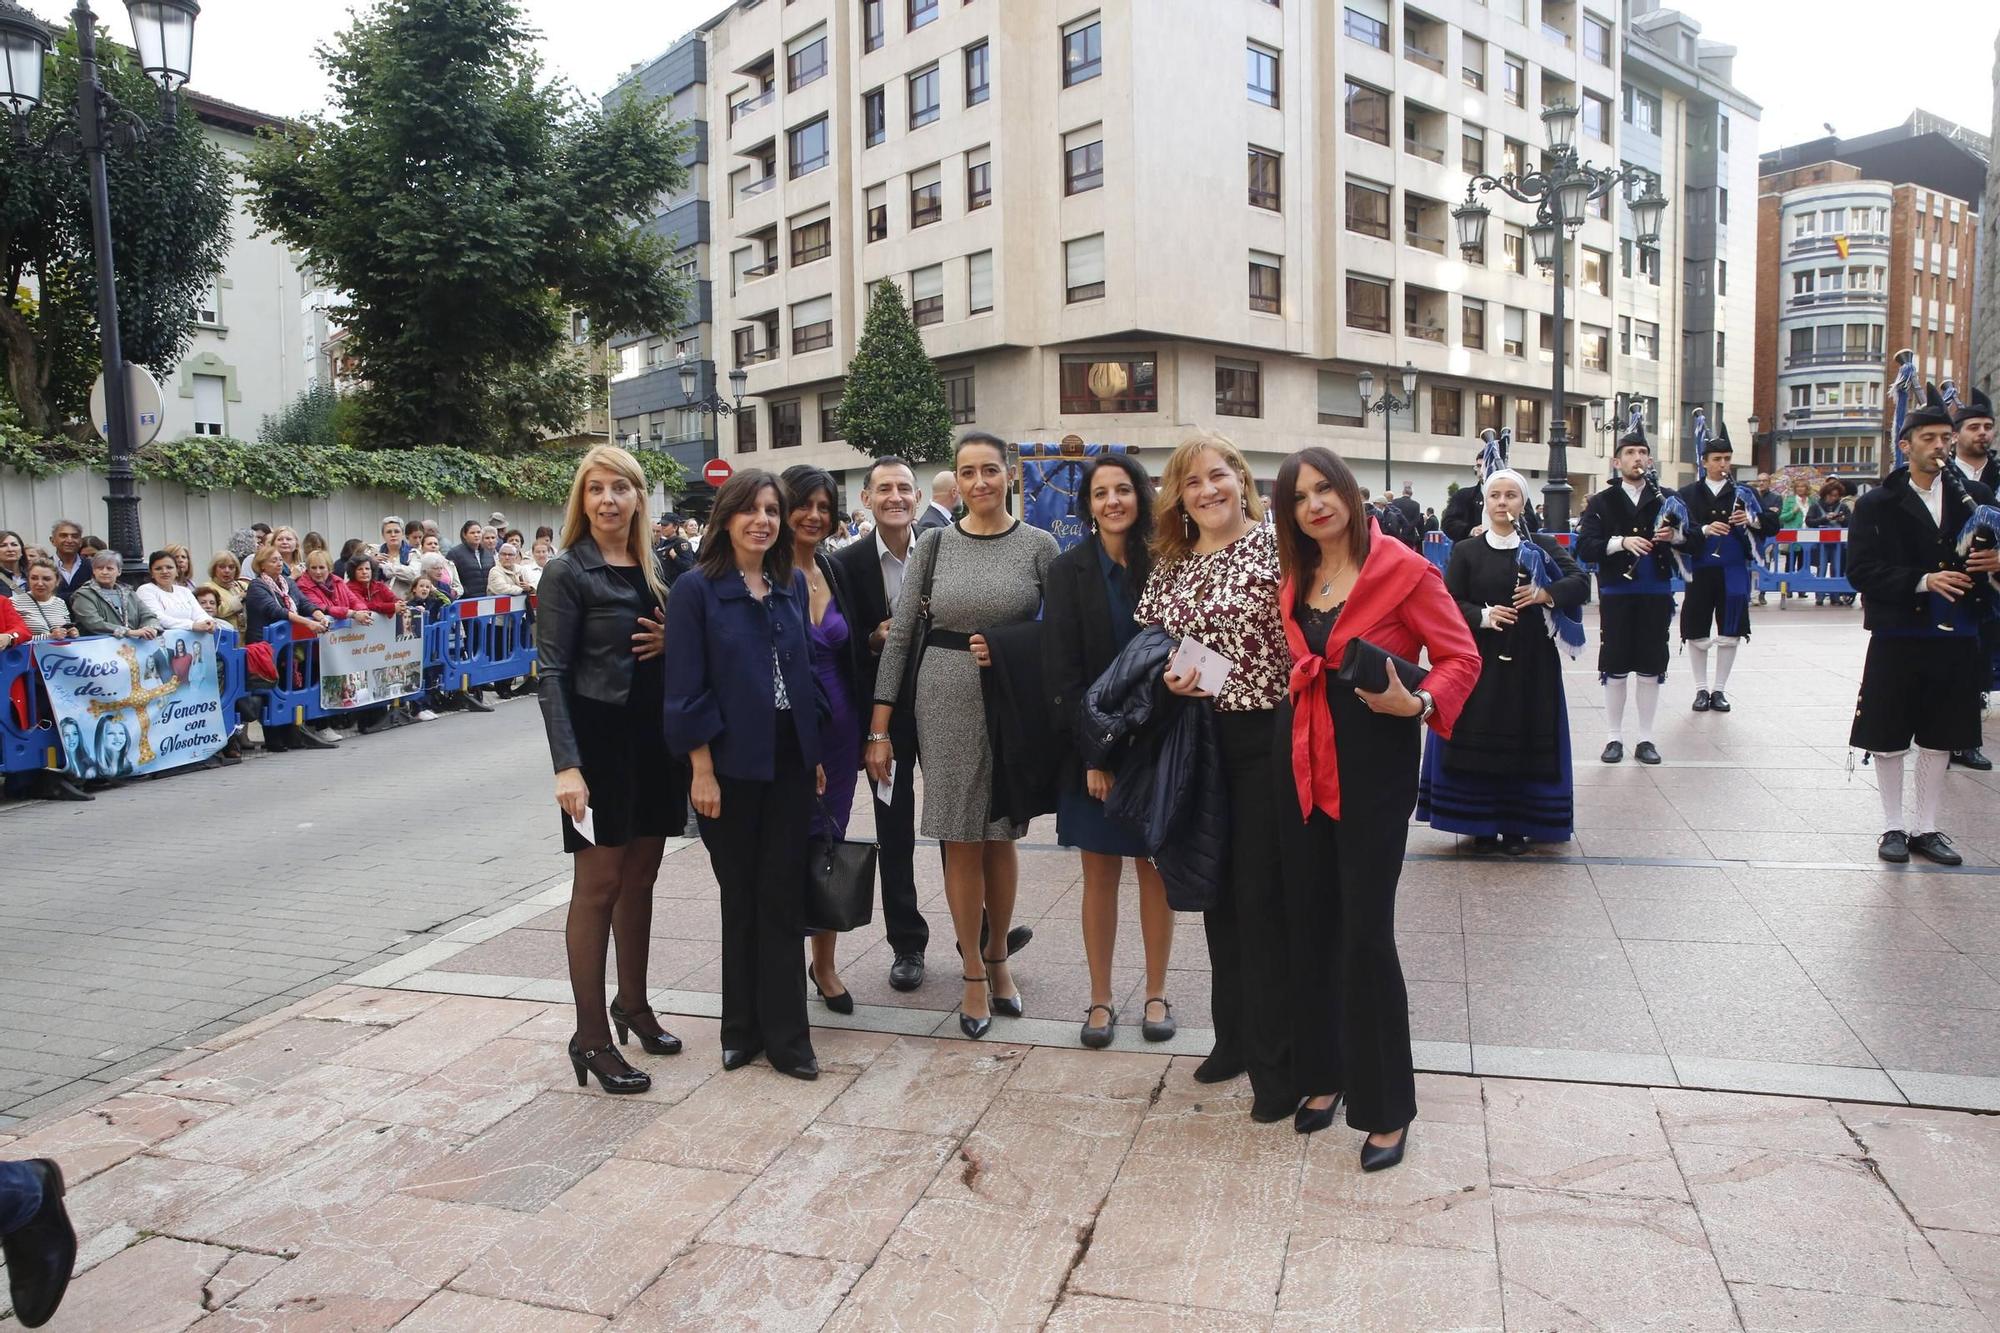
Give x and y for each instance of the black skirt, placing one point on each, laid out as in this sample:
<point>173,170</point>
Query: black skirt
<point>638,788</point>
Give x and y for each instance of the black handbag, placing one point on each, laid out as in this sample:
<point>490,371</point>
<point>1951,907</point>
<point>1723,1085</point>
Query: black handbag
<point>920,635</point>
<point>840,882</point>
<point>1365,666</point>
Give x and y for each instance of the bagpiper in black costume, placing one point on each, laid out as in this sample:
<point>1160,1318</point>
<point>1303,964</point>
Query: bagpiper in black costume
<point>1914,554</point>
<point>1725,523</point>
<point>1972,422</point>
<point>1622,534</point>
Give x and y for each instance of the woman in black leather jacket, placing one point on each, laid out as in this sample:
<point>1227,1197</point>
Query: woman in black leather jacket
<point>600,640</point>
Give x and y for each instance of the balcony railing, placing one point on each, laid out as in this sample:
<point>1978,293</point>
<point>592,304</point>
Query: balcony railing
<point>1430,333</point>
<point>763,270</point>
<point>751,358</point>
<point>1417,55</point>
<point>1416,240</point>
<point>758,187</point>
<point>739,110</point>
<point>1856,240</point>
<point>1428,152</point>
<point>1555,34</point>
<point>1844,413</point>
<point>1857,357</point>
<point>1801,300</point>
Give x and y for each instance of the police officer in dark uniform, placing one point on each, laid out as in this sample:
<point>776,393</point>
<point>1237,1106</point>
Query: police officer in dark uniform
<point>674,552</point>
<point>1622,535</point>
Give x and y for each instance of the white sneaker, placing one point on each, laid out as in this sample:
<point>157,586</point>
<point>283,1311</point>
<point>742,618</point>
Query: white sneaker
<point>426,715</point>
<point>327,734</point>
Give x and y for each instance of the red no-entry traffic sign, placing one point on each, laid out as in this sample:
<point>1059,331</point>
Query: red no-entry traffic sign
<point>716,471</point>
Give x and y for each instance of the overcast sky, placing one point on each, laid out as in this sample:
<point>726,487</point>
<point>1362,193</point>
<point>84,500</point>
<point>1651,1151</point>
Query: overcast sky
<point>1861,66</point>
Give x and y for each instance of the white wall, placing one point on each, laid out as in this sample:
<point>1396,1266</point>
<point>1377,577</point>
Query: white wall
<point>170,513</point>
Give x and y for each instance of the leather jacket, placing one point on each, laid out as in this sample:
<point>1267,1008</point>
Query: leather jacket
<point>585,617</point>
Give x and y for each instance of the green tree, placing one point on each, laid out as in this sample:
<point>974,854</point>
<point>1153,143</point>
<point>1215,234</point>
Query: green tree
<point>311,418</point>
<point>465,206</point>
<point>169,236</point>
<point>894,402</point>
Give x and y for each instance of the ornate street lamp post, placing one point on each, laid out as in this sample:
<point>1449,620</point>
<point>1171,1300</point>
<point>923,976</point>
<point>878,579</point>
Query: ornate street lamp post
<point>163,34</point>
<point>1561,192</point>
<point>713,404</point>
<point>1387,405</point>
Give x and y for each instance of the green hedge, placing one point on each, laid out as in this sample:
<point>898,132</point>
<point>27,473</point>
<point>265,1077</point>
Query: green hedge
<point>433,473</point>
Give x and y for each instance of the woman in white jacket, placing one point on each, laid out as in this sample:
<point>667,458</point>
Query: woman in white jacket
<point>167,598</point>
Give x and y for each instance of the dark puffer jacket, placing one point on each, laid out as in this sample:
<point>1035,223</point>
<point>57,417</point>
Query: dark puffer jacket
<point>1168,767</point>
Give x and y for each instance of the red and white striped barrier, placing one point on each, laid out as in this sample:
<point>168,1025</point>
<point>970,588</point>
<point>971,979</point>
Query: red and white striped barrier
<point>472,607</point>
<point>1811,535</point>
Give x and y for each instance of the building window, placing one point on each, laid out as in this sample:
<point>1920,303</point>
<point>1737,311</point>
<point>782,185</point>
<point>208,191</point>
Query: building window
<point>874,117</point>
<point>1514,81</point>
<point>1722,204</point>
<point>1596,118</point>
<point>812,241</point>
<point>1596,348</point>
<point>1366,30</point>
<point>1094,385</point>
<point>1722,277</point>
<point>978,179</point>
<point>786,426</point>
<point>878,212</point>
<point>1266,173</point>
<point>1083,268</point>
<point>1261,75</point>
<point>1447,411</point>
<point>926,197</point>
<point>1514,331</point>
<point>1527,420</point>
<point>1082,51</point>
<point>927,295</point>
<point>977,86</point>
<point>1267,282</point>
<point>1642,110</point>
<point>829,416</point>
<point>1367,113</point>
<point>1514,246</point>
<point>211,405</point>
<point>1239,389</point>
<point>922,12</point>
<point>1472,324</point>
<point>871,25</point>
<point>1722,132</point>
<point>1474,72</point>
<point>1645,340</point>
<point>1721,345</point>
<point>979,283</point>
<point>808,147</point>
<point>746,429</point>
<point>1083,162</point>
<point>923,97</point>
<point>208,310</point>
<point>1472,150</point>
<point>805,64</point>
<point>1339,399</point>
<point>1596,266</point>
<point>958,395</point>
<point>1367,304</point>
<point>812,324</point>
<point>1597,42</point>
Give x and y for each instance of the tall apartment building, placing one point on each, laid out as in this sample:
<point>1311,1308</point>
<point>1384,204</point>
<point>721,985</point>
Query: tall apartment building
<point>1865,247</point>
<point>1985,370</point>
<point>1134,220</point>
<point>647,406</point>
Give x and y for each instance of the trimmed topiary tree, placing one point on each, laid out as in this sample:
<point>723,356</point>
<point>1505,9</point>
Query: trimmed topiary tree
<point>894,402</point>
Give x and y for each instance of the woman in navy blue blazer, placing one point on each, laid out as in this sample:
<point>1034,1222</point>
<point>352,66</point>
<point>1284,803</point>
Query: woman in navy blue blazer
<point>752,733</point>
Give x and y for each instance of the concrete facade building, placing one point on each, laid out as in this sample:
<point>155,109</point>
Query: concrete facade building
<point>1985,371</point>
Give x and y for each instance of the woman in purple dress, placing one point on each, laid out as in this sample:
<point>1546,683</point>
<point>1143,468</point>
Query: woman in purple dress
<point>812,518</point>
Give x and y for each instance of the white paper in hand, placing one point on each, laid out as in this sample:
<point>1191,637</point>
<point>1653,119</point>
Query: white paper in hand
<point>1209,667</point>
<point>885,792</point>
<point>586,828</point>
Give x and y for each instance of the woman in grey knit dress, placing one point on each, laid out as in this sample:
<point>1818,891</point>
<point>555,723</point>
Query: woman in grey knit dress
<point>989,569</point>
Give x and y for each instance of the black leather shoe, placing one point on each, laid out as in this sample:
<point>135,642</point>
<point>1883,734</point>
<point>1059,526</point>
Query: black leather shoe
<point>1010,1005</point>
<point>842,1003</point>
<point>1514,846</point>
<point>1311,1120</point>
<point>1094,1036</point>
<point>305,738</point>
<point>1163,1030</point>
<point>658,1042</point>
<point>1219,1067</point>
<point>1701,701</point>
<point>1270,1110</point>
<point>41,1255</point>
<point>1646,753</point>
<point>56,787</point>
<point>1894,846</point>
<point>1936,847</point>
<point>1974,759</point>
<point>975,1028</point>
<point>474,704</point>
<point>1018,938</point>
<point>619,1077</point>
<point>806,1071</point>
<point>1718,702</point>
<point>907,972</point>
<point>732,1060</point>
<point>1614,753</point>
<point>1381,1159</point>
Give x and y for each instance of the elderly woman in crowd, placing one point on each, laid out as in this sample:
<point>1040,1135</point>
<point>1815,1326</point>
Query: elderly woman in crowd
<point>41,606</point>
<point>504,579</point>
<point>1831,509</point>
<point>13,564</point>
<point>106,606</point>
<point>395,558</point>
<point>168,599</point>
<point>225,579</point>
<point>183,564</point>
<point>531,569</point>
<point>365,586</point>
<point>443,575</point>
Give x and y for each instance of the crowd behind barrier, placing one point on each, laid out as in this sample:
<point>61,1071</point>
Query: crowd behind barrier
<point>1793,563</point>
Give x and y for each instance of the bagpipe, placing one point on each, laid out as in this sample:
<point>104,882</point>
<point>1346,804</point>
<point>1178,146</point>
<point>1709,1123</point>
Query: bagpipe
<point>1537,568</point>
<point>1901,389</point>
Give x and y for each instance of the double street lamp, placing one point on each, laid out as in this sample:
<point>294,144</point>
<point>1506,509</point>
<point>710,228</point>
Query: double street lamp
<point>163,34</point>
<point>1561,191</point>
<point>1387,406</point>
<point>713,404</point>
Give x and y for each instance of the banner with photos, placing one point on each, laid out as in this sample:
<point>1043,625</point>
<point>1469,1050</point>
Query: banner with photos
<point>364,665</point>
<point>128,707</point>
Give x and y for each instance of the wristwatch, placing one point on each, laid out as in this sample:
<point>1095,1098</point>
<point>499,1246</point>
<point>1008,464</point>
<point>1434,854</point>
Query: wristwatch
<point>1430,705</point>
<point>875,736</point>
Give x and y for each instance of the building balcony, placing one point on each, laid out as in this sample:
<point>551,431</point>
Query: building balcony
<point>1808,360</point>
<point>738,111</point>
<point>1821,300</point>
<point>1844,415</point>
<point>1802,247</point>
<point>757,187</point>
<point>763,270</point>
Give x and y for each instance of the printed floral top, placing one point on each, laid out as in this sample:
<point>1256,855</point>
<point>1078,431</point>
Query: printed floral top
<point>1228,600</point>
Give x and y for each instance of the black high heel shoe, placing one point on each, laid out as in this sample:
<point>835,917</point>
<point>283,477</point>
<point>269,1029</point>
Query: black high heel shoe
<point>974,1028</point>
<point>623,1079</point>
<point>1310,1120</point>
<point>842,1003</point>
<point>1381,1159</point>
<point>733,1060</point>
<point>1009,1005</point>
<point>662,1042</point>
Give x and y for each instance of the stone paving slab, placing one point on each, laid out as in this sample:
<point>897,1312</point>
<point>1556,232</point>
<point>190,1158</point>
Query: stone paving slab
<point>927,1183</point>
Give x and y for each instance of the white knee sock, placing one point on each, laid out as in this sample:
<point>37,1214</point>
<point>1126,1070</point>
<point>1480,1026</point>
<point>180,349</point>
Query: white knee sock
<point>1725,658</point>
<point>1698,656</point>
<point>1889,782</point>
<point>1931,765</point>
<point>1649,704</point>
<point>1614,709</point>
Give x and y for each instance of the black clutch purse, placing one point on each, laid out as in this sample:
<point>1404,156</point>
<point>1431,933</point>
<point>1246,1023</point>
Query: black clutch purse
<point>840,884</point>
<point>1366,667</point>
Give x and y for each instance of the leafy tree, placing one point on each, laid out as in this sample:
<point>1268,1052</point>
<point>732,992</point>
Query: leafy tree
<point>310,418</point>
<point>465,206</point>
<point>894,402</point>
<point>169,235</point>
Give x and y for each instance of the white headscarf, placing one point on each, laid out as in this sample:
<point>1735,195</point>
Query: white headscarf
<point>1493,539</point>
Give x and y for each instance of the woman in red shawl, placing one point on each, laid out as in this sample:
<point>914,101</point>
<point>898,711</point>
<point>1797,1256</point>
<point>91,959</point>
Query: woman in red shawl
<point>1354,758</point>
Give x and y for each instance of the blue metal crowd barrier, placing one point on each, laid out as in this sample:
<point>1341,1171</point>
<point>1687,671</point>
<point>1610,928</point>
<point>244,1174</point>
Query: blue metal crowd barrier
<point>482,641</point>
<point>1806,560</point>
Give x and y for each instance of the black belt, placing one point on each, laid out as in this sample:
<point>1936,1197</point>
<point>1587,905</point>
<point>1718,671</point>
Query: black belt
<point>946,638</point>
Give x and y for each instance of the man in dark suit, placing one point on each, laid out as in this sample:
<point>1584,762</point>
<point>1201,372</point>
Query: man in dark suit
<point>72,570</point>
<point>944,499</point>
<point>471,558</point>
<point>1411,509</point>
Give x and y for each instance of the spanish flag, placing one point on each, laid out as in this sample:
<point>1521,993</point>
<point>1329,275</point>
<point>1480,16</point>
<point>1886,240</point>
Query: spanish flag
<point>1840,244</point>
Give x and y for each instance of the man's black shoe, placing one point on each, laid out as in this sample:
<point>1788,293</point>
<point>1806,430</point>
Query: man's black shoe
<point>473,703</point>
<point>1614,752</point>
<point>304,738</point>
<point>1646,753</point>
<point>907,972</point>
<point>1718,702</point>
<point>1975,759</point>
<point>42,1254</point>
<point>56,787</point>
<point>1934,846</point>
<point>1893,846</point>
<point>1701,701</point>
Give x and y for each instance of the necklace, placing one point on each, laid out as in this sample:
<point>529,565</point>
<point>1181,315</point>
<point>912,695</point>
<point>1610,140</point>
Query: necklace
<point>1326,588</point>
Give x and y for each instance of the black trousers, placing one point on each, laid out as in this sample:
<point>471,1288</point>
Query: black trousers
<point>758,848</point>
<point>1349,1007</point>
<point>1247,954</point>
<point>896,836</point>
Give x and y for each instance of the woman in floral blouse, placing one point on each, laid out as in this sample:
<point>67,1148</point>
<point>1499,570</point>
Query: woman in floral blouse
<point>1215,581</point>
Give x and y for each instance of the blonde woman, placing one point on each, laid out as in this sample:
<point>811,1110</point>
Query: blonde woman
<point>600,640</point>
<point>286,542</point>
<point>225,578</point>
